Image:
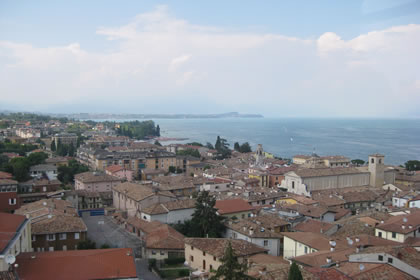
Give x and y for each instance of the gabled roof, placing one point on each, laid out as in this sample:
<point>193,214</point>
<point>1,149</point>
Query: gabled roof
<point>316,226</point>
<point>165,237</point>
<point>321,172</point>
<point>314,240</point>
<point>162,208</point>
<point>230,206</point>
<point>139,192</point>
<point>94,177</point>
<point>77,265</point>
<point>402,223</point>
<point>9,226</point>
<point>216,246</point>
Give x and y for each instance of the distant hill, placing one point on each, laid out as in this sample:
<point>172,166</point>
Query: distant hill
<point>89,116</point>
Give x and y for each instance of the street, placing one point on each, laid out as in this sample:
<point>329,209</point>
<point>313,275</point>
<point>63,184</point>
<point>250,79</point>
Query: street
<point>102,230</point>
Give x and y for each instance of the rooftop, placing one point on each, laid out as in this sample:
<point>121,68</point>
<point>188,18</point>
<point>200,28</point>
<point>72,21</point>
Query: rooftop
<point>231,206</point>
<point>216,246</point>
<point>94,177</point>
<point>139,192</point>
<point>161,208</point>
<point>77,265</point>
<point>9,226</point>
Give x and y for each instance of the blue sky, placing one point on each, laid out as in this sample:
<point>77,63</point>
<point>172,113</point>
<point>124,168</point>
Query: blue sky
<point>298,58</point>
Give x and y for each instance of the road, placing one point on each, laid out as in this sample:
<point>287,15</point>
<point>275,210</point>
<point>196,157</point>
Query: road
<point>102,230</point>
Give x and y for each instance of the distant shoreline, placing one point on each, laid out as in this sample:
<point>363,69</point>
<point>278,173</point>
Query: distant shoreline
<point>88,116</point>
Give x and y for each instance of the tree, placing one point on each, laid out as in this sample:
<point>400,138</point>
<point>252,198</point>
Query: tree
<point>105,246</point>
<point>205,221</point>
<point>189,152</point>
<point>71,150</point>
<point>412,165</point>
<point>158,130</point>
<point>66,173</point>
<point>236,147</point>
<point>218,143</point>
<point>172,169</point>
<point>294,272</point>
<point>230,269</point>
<point>245,148</point>
<point>209,146</point>
<point>222,148</point>
<point>86,245</point>
<point>358,162</point>
<point>195,144</point>
<point>157,143</point>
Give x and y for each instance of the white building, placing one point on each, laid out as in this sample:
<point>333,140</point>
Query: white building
<point>171,212</point>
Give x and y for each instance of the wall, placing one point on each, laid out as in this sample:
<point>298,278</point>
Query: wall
<point>273,246</point>
<point>388,235</point>
<point>42,244</point>
<point>197,261</point>
<point>293,248</point>
<point>96,186</point>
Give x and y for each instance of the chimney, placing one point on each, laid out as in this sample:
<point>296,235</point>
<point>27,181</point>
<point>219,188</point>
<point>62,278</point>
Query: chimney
<point>329,259</point>
<point>251,231</point>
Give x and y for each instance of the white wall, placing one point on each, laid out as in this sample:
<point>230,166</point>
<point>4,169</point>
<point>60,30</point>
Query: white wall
<point>273,246</point>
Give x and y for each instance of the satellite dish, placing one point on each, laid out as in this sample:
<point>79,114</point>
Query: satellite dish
<point>405,220</point>
<point>10,259</point>
<point>361,267</point>
<point>350,242</point>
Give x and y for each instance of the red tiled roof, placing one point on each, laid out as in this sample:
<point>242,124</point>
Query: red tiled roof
<point>311,225</point>
<point>165,237</point>
<point>232,206</point>
<point>9,225</point>
<point>5,175</point>
<point>114,168</point>
<point>77,265</point>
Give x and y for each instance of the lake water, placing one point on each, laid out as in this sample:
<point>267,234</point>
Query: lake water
<point>398,140</point>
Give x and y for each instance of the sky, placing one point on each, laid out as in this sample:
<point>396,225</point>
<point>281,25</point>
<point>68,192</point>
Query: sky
<point>313,58</point>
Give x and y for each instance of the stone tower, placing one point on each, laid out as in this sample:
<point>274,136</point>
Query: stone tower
<point>259,155</point>
<point>377,170</point>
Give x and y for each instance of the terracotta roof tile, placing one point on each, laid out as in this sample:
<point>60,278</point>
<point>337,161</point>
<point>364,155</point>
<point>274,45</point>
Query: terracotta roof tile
<point>216,246</point>
<point>93,177</point>
<point>9,225</point>
<point>230,206</point>
<point>77,265</point>
<point>315,226</point>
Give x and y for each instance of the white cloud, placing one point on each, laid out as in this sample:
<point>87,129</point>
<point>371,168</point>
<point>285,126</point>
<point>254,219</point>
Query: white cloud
<point>157,56</point>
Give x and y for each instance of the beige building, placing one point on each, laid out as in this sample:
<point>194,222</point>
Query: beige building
<point>399,228</point>
<point>95,181</point>
<point>204,254</point>
<point>301,243</point>
<point>15,233</point>
<point>65,139</point>
<point>305,180</point>
<point>132,198</point>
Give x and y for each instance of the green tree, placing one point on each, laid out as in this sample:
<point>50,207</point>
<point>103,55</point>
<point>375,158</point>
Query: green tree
<point>412,165</point>
<point>66,173</point>
<point>53,148</point>
<point>245,148</point>
<point>71,150</point>
<point>189,152</point>
<point>105,246</point>
<point>209,146</point>
<point>205,221</point>
<point>218,143</point>
<point>195,144</point>
<point>358,162</point>
<point>37,158</point>
<point>20,168</point>
<point>157,143</point>
<point>294,272</point>
<point>172,169</point>
<point>86,245</point>
<point>231,269</point>
<point>4,160</point>
<point>237,147</point>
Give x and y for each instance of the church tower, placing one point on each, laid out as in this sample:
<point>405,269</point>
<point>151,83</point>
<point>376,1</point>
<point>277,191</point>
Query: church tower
<point>377,170</point>
<point>259,155</point>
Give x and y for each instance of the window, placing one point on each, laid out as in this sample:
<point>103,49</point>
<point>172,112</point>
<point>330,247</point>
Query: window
<point>293,184</point>
<point>394,235</point>
<point>153,252</point>
<point>380,161</point>
<point>76,235</point>
<point>50,237</point>
<point>33,238</point>
<point>12,201</point>
<point>306,250</point>
<point>380,258</point>
<point>265,242</point>
<point>380,234</point>
<point>204,253</point>
<point>372,161</point>
<point>389,260</point>
<point>191,258</point>
<point>214,258</point>
<point>63,236</point>
<point>211,267</point>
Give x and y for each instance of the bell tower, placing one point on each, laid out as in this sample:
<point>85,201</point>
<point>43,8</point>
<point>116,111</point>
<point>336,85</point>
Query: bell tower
<point>377,170</point>
<point>259,155</point>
